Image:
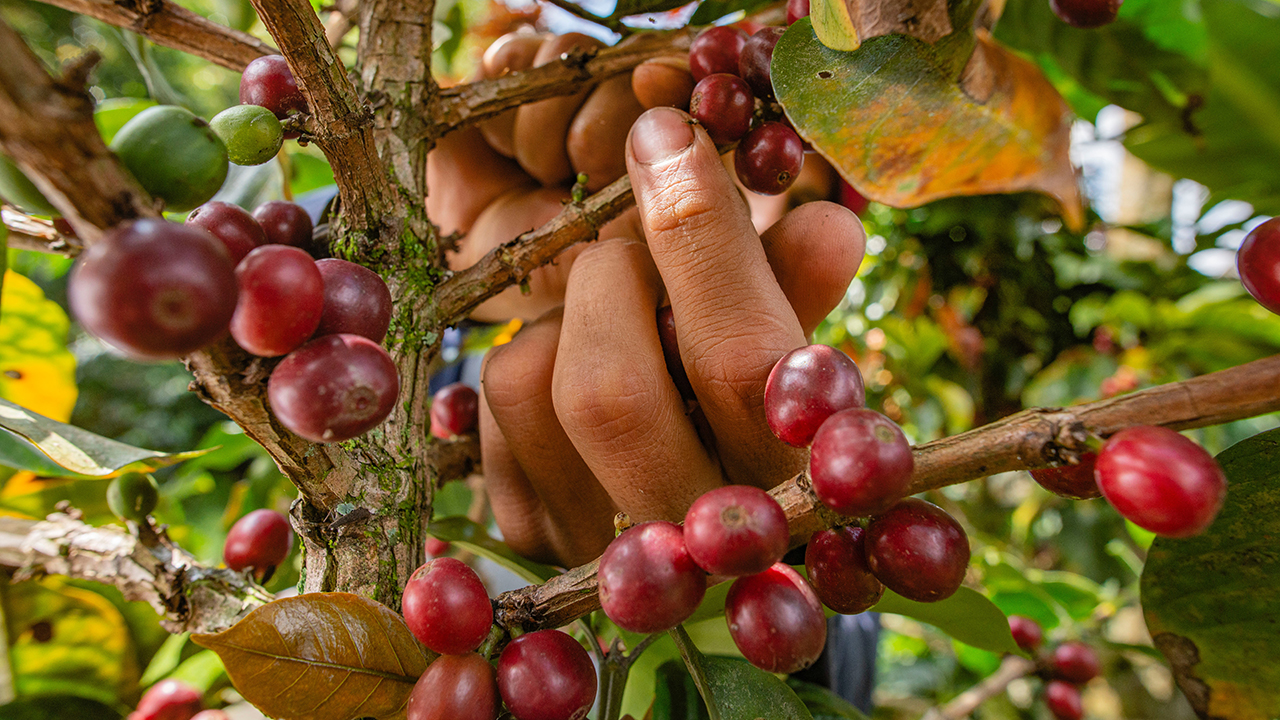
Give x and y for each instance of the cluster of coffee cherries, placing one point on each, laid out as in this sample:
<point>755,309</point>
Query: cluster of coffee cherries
<point>1066,669</point>
<point>543,675</point>
<point>173,700</point>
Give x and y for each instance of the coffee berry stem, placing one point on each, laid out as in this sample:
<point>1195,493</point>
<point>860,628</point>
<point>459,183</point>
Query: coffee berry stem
<point>693,661</point>
<point>496,635</point>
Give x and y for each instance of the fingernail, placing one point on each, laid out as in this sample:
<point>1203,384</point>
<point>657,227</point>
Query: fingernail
<point>659,134</point>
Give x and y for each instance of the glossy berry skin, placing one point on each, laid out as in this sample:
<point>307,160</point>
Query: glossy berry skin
<point>546,675</point>
<point>836,563</point>
<point>776,620</point>
<point>754,61</point>
<point>769,158</point>
<point>1063,700</point>
<point>281,300</point>
<point>723,104</point>
<point>1258,262</point>
<point>455,687</point>
<point>860,462</point>
<point>918,551</point>
<point>334,388</point>
<point>648,580</point>
<point>1086,13</point>
<point>268,81</point>
<point>1026,632</point>
<point>797,9</point>
<point>455,410</point>
<point>168,700</point>
<point>285,223</point>
<point>736,530</point>
<point>356,300</point>
<point>435,547</point>
<point>446,607</point>
<point>807,386</point>
<point>259,540</point>
<point>230,224</point>
<point>154,289</point>
<point>1070,481</point>
<point>1075,662</point>
<point>1160,480</point>
<point>716,50</point>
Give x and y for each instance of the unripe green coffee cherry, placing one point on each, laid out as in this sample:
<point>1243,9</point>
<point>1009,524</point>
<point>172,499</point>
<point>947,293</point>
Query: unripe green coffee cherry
<point>253,134</point>
<point>133,496</point>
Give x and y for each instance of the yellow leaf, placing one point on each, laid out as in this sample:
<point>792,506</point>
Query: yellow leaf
<point>36,370</point>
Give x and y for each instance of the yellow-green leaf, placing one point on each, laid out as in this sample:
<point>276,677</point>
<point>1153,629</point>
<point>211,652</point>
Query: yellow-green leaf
<point>36,370</point>
<point>322,656</point>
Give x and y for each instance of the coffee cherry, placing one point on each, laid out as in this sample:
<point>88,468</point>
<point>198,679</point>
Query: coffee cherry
<point>435,547</point>
<point>807,386</point>
<point>716,50</point>
<point>133,496</point>
<point>455,410</point>
<point>648,581</point>
<point>251,133</point>
<point>446,607</point>
<point>1075,662</point>
<point>769,158</point>
<point>753,62</point>
<point>1070,481</point>
<point>797,9</point>
<point>546,675</point>
<point>259,540</point>
<point>334,388</point>
<point>455,687</point>
<point>168,700</point>
<point>1063,700</point>
<point>235,228</point>
<point>174,155</point>
<point>860,462</point>
<point>671,352</point>
<point>776,620</point>
<point>285,223</point>
<point>918,551</point>
<point>268,81</point>
<point>356,300</point>
<point>736,530</point>
<point>1086,13</point>
<point>154,289</point>
<point>281,299</point>
<point>1258,262</point>
<point>1026,632</point>
<point>836,562</point>
<point>723,104</point>
<point>1160,481</point>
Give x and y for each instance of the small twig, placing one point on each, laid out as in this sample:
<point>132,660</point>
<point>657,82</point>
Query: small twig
<point>1012,668</point>
<point>28,233</point>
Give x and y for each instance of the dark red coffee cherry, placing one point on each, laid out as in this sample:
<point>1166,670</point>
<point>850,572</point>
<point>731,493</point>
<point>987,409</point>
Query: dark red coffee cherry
<point>281,300</point>
<point>797,9</point>
<point>807,386</point>
<point>860,462</point>
<point>455,410</point>
<point>1075,662</point>
<point>285,223</point>
<point>723,104</point>
<point>446,607</point>
<point>918,551</point>
<point>671,352</point>
<point>455,687</point>
<point>154,289</point>
<point>1070,481</point>
<point>435,547</point>
<point>168,700</point>
<point>776,620</point>
<point>769,158</point>
<point>648,581</point>
<point>836,562</point>
<point>356,300</point>
<point>716,50</point>
<point>1026,632</point>
<point>232,225</point>
<point>753,62</point>
<point>1258,262</point>
<point>1160,481</point>
<point>334,388</point>
<point>736,530</point>
<point>1063,700</point>
<point>546,675</point>
<point>1086,13</point>
<point>259,540</point>
<point>268,81</point>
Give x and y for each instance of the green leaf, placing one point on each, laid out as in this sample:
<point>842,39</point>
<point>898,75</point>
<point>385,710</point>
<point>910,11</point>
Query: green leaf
<point>111,115</point>
<point>824,704</point>
<point>712,10</point>
<point>966,616</point>
<point>1210,601</point>
<point>471,536</point>
<point>59,707</point>
<point>833,26</point>
<point>735,690</point>
<point>641,7</point>
<point>675,694</point>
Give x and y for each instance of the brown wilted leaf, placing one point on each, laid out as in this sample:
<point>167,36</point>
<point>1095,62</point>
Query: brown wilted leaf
<point>322,656</point>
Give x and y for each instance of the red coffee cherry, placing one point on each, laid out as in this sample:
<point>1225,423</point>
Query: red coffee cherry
<point>285,223</point>
<point>168,700</point>
<point>807,386</point>
<point>232,225</point>
<point>724,105</point>
<point>546,675</point>
<point>776,620</point>
<point>648,581</point>
<point>334,388</point>
<point>755,59</point>
<point>797,9</point>
<point>259,540</point>
<point>1075,662</point>
<point>1161,481</point>
<point>918,551</point>
<point>1063,700</point>
<point>446,607</point>
<point>716,50</point>
<point>836,562</point>
<point>736,530</point>
<point>860,462</point>
<point>267,81</point>
<point>671,352</point>
<point>1086,14</point>
<point>455,410</point>
<point>435,547</point>
<point>1070,481</point>
<point>1026,632</point>
<point>455,687</point>
<point>769,158</point>
<point>281,300</point>
<point>1258,261</point>
<point>356,300</point>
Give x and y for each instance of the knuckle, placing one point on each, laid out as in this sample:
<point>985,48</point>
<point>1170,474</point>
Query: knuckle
<point>604,401</point>
<point>683,208</point>
<point>513,377</point>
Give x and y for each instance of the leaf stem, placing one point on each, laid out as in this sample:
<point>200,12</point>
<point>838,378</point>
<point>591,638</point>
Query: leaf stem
<point>693,660</point>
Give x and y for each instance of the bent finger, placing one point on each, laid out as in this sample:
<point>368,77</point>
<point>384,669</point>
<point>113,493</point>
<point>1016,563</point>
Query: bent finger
<point>815,251</point>
<point>542,127</point>
<point>510,53</point>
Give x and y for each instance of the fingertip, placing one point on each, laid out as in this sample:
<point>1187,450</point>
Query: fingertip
<point>660,134</point>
